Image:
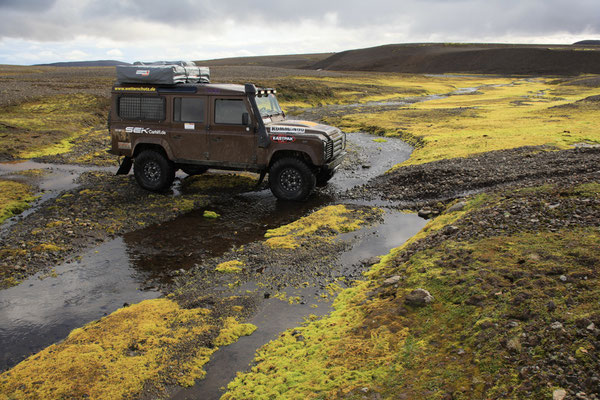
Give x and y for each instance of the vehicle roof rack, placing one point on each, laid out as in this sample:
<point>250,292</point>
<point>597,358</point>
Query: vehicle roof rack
<point>163,73</point>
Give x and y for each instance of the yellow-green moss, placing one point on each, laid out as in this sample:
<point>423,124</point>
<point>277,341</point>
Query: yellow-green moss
<point>520,112</point>
<point>232,330</point>
<point>49,125</point>
<point>115,357</point>
<point>210,214</point>
<point>380,140</point>
<point>232,266</point>
<point>15,197</point>
<point>323,224</point>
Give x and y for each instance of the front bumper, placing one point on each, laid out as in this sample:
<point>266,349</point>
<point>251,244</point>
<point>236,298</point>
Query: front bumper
<point>335,163</point>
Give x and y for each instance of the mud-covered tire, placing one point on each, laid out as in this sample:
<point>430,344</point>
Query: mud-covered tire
<point>193,169</point>
<point>291,179</point>
<point>324,176</point>
<point>153,171</point>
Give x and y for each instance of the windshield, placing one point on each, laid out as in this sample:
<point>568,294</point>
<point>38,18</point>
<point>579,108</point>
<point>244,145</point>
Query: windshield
<point>268,105</point>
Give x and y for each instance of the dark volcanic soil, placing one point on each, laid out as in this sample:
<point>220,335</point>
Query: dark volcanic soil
<point>436,58</point>
<point>416,186</point>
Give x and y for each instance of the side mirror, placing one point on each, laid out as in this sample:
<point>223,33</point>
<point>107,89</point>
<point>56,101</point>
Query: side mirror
<point>245,119</point>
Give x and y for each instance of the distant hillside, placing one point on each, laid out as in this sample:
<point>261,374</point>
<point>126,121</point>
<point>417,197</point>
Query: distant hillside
<point>297,61</point>
<point>467,58</point>
<point>588,42</point>
<point>97,63</point>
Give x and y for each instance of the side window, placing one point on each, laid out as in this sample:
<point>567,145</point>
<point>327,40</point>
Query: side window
<point>188,109</point>
<point>142,108</point>
<point>229,111</point>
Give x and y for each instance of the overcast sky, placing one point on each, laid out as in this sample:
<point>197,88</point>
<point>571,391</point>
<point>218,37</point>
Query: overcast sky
<point>42,31</point>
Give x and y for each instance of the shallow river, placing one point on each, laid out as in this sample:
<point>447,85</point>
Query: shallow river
<point>44,309</point>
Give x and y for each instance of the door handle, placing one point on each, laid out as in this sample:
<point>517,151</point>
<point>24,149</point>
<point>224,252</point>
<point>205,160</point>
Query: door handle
<point>217,139</point>
<point>177,137</point>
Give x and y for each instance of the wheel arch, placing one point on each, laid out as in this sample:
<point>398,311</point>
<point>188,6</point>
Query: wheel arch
<point>278,155</point>
<point>150,146</point>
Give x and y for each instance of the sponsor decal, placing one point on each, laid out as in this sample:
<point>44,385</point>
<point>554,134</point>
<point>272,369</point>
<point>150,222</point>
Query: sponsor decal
<point>142,72</point>
<point>146,131</point>
<point>286,129</point>
<point>283,138</point>
<point>135,89</point>
<point>188,125</point>
<point>124,146</point>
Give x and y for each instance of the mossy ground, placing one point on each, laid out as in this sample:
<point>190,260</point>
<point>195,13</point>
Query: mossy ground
<point>50,125</point>
<point>503,113</point>
<point>15,197</point>
<point>490,331</point>
<point>146,345</point>
<point>321,225</point>
<point>214,181</point>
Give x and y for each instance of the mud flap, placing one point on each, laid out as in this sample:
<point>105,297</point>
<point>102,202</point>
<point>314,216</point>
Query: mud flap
<point>125,166</point>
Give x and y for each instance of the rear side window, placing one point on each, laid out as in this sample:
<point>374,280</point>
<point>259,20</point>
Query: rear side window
<point>188,109</point>
<point>142,108</point>
<point>229,111</point>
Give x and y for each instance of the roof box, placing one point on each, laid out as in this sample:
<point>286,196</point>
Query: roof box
<point>163,73</point>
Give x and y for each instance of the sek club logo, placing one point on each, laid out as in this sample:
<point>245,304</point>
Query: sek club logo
<point>147,131</point>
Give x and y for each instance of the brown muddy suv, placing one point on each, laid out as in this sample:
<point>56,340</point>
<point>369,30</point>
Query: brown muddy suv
<point>196,126</point>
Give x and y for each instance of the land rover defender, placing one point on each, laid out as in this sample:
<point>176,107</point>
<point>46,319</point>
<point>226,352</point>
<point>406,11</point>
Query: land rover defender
<point>196,126</point>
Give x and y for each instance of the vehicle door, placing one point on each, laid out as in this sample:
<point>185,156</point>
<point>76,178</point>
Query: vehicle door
<point>229,139</point>
<point>188,135</point>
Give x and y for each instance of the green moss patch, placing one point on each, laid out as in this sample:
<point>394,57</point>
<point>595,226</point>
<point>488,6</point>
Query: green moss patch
<point>323,225</point>
<point>49,125</point>
<point>145,345</point>
<point>15,198</point>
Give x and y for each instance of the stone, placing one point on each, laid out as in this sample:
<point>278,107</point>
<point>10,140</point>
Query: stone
<point>514,345</point>
<point>452,229</point>
<point>392,280</point>
<point>424,213</point>
<point>559,394</point>
<point>556,325</point>
<point>563,278</point>
<point>418,297</point>
<point>591,327</point>
<point>458,206</point>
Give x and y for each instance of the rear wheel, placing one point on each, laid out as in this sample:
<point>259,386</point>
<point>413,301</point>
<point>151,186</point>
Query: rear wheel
<point>153,171</point>
<point>291,179</point>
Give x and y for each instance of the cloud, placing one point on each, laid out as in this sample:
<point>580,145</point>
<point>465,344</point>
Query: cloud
<point>114,53</point>
<point>210,28</point>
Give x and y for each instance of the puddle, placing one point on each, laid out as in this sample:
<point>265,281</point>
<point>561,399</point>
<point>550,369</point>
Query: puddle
<point>135,267</point>
<point>39,312</point>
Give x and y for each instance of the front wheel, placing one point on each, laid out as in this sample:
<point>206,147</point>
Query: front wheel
<point>291,179</point>
<point>153,171</point>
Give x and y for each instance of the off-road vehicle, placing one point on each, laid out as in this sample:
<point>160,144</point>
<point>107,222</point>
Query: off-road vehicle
<point>161,128</point>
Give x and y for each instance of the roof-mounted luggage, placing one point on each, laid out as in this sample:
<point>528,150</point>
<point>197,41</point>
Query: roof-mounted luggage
<point>163,73</point>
